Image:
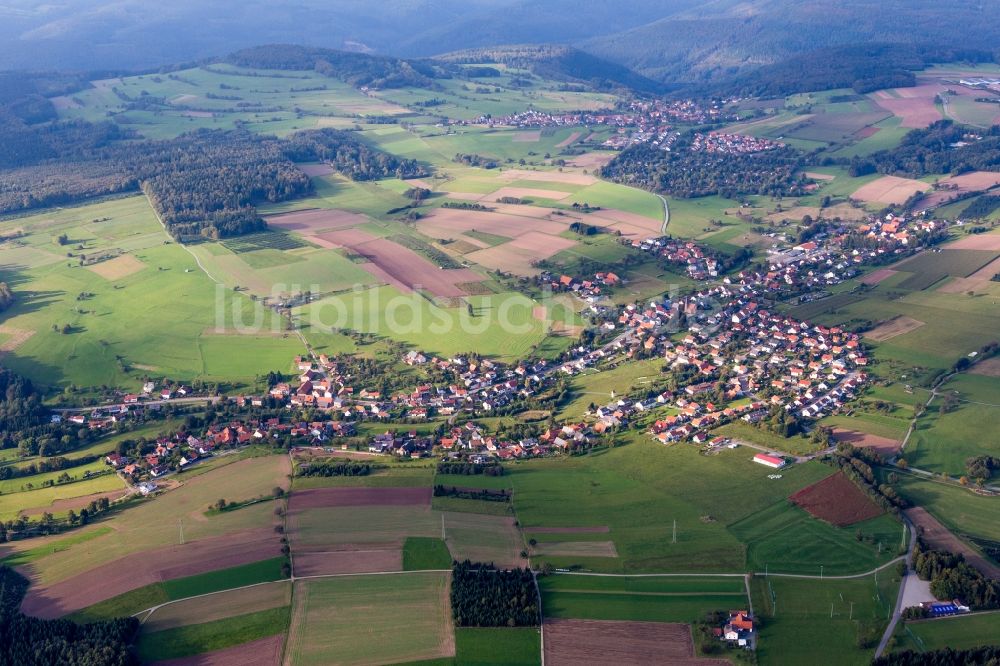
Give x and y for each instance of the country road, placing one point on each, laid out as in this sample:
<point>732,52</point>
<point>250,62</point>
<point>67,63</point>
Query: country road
<point>666,213</point>
<point>898,610</point>
<point>173,401</point>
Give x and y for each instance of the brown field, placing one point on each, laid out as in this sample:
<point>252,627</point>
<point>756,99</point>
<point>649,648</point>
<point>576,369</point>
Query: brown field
<point>321,498</point>
<point>117,268</point>
<point>866,132</point>
<point>836,500</point>
<point>571,139</point>
<point>877,276</point>
<point>400,266</point>
<point>957,187</point>
<point>988,368</point>
<point>313,170</point>
<point>915,106</point>
<point>483,539</point>
<point>599,642</point>
<point>519,255</point>
<point>989,241</point>
<point>894,327</point>
<point>569,178</point>
<point>794,214</point>
<point>527,137</point>
<point>148,567</point>
<point>75,503</point>
<point>937,536</point>
<point>315,220</point>
<point>625,222</point>
<point>576,549</point>
<point>590,160</point>
<point>321,563</point>
<point>599,529</point>
<point>219,605</point>
<point>261,652</point>
<point>819,176</point>
<point>882,445</point>
<point>527,193</point>
<point>448,223</point>
<point>890,190</point>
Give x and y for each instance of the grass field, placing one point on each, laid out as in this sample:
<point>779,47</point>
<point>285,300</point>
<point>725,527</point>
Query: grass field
<point>371,619</point>
<point>958,633</point>
<point>420,553</point>
<point>639,599</point>
<point>504,646</point>
<point>215,635</point>
<point>959,509</point>
<point>12,501</point>
<point>846,609</point>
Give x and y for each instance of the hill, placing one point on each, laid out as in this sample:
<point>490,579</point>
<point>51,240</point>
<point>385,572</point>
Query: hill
<point>559,63</point>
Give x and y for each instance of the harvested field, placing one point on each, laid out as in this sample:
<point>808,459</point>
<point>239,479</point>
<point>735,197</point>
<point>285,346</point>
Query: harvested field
<point>988,368</point>
<point>957,187</point>
<point>482,538</point>
<point>937,536</point>
<point>520,255</point>
<point>219,605</point>
<point>877,276</point>
<point>360,527</point>
<point>989,241</point>
<point>600,529</point>
<point>836,500</point>
<point>261,652</point>
<point>590,160</point>
<point>894,327</point>
<point>315,220</point>
<point>568,141</point>
<point>321,498</point>
<point>400,266</point>
<point>890,190</point>
<point>148,567</point>
<point>527,193</point>
<point>74,503</point>
<point>578,642</point>
<point>884,446</point>
<point>548,176</point>
<point>819,176</point>
<point>576,549</point>
<point>321,563</point>
<point>527,137</point>
<point>866,132</point>
<point>313,170</point>
<point>914,106</point>
<point>448,223</point>
<point>117,268</point>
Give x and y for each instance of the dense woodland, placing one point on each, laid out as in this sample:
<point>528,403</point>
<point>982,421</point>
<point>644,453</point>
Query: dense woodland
<point>685,173</point>
<point>981,656</point>
<point>944,147</point>
<point>349,156</point>
<point>28,641</point>
<point>951,577</point>
<point>484,596</point>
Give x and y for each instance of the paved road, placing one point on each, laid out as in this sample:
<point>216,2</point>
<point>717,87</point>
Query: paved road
<point>898,610</point>
<point>666,213</point>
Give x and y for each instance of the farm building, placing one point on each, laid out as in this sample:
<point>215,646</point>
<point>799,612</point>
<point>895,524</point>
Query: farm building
<point>770,461</point>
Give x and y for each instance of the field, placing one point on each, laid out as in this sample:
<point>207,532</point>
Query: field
<point>569,642</point>
<point>837,500</point>
<point>197,639</point>
<point>889,190</point>
<point>405,617</point>
<point>957,633</point>
<point>937,535</point>
<point>667,599</point>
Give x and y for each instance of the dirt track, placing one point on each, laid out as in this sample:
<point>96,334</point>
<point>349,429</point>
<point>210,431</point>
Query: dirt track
<point>938,536</point>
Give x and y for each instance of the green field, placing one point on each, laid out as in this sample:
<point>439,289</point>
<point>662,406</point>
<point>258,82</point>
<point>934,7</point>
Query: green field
<point>958,633</point>
<point>421,553</point>
<point>685,599</point>
<point>208,636</point>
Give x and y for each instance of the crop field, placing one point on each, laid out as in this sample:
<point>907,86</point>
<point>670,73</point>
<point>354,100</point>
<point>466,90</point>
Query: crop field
<point>958,633</point>
<point>847,610</point>
<point>55,498</point>
<point>405,617</point>
<point>570,642</point>
<point>667,599</point>
<point>219,606</point>
<point>939,537</point>
<point>837,500</point>
<point>196,639</point>
<point>929,268</point>
<point>482,538</point>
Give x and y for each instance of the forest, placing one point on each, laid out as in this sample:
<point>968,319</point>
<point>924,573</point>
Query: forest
<point>485,596</point>
<point>685,173</point>
<point>951,577</point>
<point>980,656</point>
<point>28,641</point>
<point>944,147</point>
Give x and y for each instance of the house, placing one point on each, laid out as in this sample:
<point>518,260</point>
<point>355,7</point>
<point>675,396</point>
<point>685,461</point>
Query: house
<point>769,461</point>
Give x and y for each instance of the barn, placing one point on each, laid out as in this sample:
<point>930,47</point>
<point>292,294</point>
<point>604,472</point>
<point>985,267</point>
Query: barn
<point>770,461</point>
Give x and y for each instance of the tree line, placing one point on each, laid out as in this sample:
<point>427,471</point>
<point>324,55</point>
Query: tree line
<point>943,147</point>
<point>951,577</point>
<point>469,468</point>
<point>856,464</point>
<point>484,596</point>
<point>336,468</point>
<point>980,656</point>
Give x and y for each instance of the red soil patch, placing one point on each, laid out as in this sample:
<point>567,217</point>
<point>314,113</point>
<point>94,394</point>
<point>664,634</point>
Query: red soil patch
<point>313,170</point>
<point>836,500</point>
<point>401,266</point>
<point>866,132</point>
<point>261,652</point>
<point>75,503</point>
<point>937,536</point>
<point>348,561</point>
<point>320,498</point>
<point>882,445</point>
<point>875,277</point>
<point>600,529</point>
<point>316,219</point>
<point>577,642</point>
<point>148,567</point>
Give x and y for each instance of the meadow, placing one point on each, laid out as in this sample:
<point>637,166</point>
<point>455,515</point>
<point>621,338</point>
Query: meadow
<point>958,633</point>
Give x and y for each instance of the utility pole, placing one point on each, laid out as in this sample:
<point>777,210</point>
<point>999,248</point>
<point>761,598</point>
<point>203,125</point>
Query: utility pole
<point>851,616</point>
<point>821,572</point>
<point>675,531</point>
